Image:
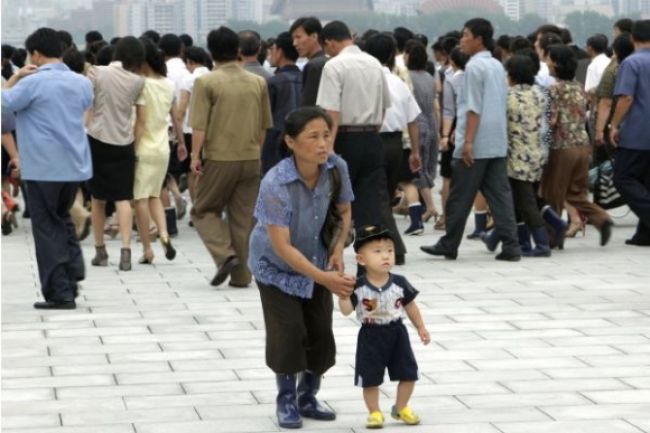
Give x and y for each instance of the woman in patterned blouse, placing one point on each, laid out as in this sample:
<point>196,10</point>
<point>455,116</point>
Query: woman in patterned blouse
<point>566,175</point>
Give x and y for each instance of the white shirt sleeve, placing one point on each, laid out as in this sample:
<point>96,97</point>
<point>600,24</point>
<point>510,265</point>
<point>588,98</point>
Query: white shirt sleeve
<point>329,89</point>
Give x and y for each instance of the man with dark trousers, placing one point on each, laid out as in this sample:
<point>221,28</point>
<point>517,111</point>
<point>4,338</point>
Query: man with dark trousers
<point>306,33</point>
<point>50,102</point>
<point>629,131</point>
<point>479,162</point>
<point>357,114</point>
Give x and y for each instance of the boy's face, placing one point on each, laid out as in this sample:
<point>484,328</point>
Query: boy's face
<point>377,256</point>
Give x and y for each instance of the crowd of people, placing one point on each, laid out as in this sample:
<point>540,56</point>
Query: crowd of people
<point>276,140</point>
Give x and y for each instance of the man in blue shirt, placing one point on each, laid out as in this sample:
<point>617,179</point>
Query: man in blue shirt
<point>481,147</point>
<point>50,102</point>
<point>629,131</point>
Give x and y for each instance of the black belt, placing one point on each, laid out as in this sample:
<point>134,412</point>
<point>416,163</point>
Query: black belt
<point>358,128</point>
<point>391,134</point>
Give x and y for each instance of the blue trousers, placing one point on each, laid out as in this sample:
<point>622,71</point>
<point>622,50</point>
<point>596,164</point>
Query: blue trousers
<point>58,255</point>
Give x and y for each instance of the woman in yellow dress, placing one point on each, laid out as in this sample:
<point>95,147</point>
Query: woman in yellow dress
<point>152,150</point>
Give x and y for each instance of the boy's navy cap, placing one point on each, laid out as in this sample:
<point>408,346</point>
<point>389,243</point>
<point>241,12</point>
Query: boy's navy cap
<point>366,234</point>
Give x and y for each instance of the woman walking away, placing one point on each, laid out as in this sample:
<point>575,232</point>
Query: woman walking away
<point>152,150</point>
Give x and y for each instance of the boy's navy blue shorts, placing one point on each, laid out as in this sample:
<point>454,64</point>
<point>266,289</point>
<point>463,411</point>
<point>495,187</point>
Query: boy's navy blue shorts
<point>380,347</point>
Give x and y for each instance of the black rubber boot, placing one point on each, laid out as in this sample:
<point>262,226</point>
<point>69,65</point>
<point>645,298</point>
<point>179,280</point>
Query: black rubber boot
<point>287,408</point>
<point>308,405</point>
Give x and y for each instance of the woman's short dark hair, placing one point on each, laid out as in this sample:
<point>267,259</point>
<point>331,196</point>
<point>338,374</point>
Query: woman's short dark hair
<point>521,70</point>
<point>284,42</point>
<point>171,45</point>
<point>153,35</point>
<point>336,31</point>
<point>565,61</point>
<point>93,36</point>
<point>66,39</point>
<point>483,28</point>
<point>459,58</point>
<point>19,57</point>
<point>623,46</point>
<point>422,38</point>
<point>382,46</point>
<point>532,54</point>
<point>130,52</point>
<point>641,31</point>
<point>154,57</point>
<point>74,60</point>
<point>448,44</point>
<point>503,42</point>
<point>187,40</point>
<point>547,40</point>
<point>297,120</point>
<point>223,44</point>
<point>519,43</point>
<point>195,54</point>
<point>402,35</point>
<point>46,41</point>
<point>105,55</point>
<point>417,55</point>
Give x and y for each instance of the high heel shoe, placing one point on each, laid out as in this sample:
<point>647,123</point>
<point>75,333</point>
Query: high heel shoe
<point>147,258</point>
<point>574,228</point>
<point>101,256</point>
<point>430,214</point>
<point>440,224</point>
<point>170,252</point>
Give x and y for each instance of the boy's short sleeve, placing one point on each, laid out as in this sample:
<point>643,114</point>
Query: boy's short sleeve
<point>409,291</point>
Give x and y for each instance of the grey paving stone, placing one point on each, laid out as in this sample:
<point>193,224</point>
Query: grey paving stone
<point>614,426</point>
<point>170,414</point>
<point>113,428</point>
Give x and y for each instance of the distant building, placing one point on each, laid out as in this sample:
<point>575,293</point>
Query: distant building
<point>323,9</point>
<point>433,6</point>
<point>512,8</point>
<point>392,7</point>
<point>543,8</point>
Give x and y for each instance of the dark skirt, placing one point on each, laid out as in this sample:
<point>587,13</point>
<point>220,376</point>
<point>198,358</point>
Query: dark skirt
<point>113,171</point>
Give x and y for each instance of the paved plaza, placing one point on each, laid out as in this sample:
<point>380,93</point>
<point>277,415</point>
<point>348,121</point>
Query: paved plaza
<point>556,345</point>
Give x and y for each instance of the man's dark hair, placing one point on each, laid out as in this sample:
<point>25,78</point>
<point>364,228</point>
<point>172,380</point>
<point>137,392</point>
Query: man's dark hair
<point>565,61</point>
<point>93,36</point>
<point>624,25</point>
<point>417,55</point>
<point>284,42</point>
<point>66,39</point>
<point>19,57</point>
<point>171,45</point>
<point>153,56</point>
<point>7,51</point>
<point>519,43</point>
<point>105,55</point>
<point>46,41</point>
<point>548,28</point>
<point>402,35</point>
<point>459,58</point>
<point>310,25</point>
<point>641,31</point>
<point>503,42</point>
<point>382,47</point>
<point>521,70</point>
<point>437,45</point>
<point>115,40</point>
<point>195,54</point>
<point>130,52</point>
<point>336,31</point>
<point>449,43</point>
<point>480,27</point>
<point>422,38</point>
<point>186,40</point>
<point>249,43</point>
<point>74,60</point>
<point>598,43</point>
<point>623,46</point>
<point>153,35</point>
<point>223,44</point>
<point>454,34</point>
<point>547,40</point>
<point>530,52</point>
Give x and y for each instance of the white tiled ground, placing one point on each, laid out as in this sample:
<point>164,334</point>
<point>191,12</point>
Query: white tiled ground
<point>557,345</point>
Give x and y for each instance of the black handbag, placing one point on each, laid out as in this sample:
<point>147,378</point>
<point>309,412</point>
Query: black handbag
<point>333,222</point>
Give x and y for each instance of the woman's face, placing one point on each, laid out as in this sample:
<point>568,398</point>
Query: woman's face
<point>313,144</point>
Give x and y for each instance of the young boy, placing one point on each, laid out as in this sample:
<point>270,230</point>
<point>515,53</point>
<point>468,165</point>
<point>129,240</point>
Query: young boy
<point>380,298</point>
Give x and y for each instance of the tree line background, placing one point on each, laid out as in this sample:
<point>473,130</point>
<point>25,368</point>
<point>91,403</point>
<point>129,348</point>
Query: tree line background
<point>581,24</point>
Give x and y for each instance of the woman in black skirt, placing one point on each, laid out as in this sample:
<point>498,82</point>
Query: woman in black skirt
<point>111,135</point>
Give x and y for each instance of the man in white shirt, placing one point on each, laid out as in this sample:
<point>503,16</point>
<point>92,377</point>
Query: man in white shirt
<point>596,48</point>
<point>172,46</point>
<point>357,115</point>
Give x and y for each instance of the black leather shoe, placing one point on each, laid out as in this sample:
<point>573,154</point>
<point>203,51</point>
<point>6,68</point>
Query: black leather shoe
<point>437,250</point>
<point>508,257</point>
<point>605,232</point>
<point>635,240</point>
<point>238,286</point>
<point>224,270</point>
<point>55,305</point>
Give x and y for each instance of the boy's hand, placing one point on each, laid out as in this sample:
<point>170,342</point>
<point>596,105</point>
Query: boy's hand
<point>424,335</point>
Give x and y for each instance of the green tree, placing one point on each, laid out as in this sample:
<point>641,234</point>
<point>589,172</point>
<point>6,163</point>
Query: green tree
<point>585,24</point>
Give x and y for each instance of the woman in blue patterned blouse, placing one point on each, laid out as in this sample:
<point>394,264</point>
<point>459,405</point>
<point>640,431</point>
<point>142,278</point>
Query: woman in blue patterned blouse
<point>291,266</point>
